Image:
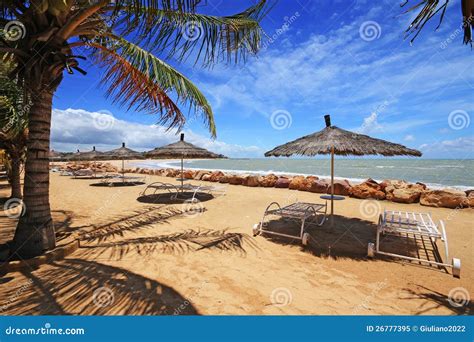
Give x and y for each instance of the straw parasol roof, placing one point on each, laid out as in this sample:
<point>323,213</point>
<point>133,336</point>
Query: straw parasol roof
<point>54,155</point>
<point>90,155</point>
<point>123,153</point>
<point>344,142</point>
<point>182,149</point>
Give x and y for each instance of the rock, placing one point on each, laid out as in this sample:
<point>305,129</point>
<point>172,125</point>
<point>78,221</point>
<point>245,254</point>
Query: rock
<point>235,180</point>
<point>297,182</point>
<point>282,183</point>
<point>251,181</point>
<point>403,192</point>
<point>319,186</point>
<point>341,187</point>
<point>206,177</point>
<point>367,189</point>
<point>422,185</point>
<point>199,174</point>
<point>445,198</point>
<point>224,179</point>
<point>188,174</point>
<point>216,176</point>
<point>268,181</point>
<point>470,198</point>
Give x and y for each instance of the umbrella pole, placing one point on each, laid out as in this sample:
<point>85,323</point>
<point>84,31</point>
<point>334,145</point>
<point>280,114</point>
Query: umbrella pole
<point>332,185</point>
<point>123,171</point>
<point>182,175</point>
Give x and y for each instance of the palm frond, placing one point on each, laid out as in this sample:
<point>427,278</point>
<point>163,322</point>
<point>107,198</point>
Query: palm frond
<point>140,80</point>
<point>183,34</point>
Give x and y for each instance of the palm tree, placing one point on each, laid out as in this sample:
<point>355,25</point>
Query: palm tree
<point>14,132</point>
<point>125,37</point>
<point>428,9</point>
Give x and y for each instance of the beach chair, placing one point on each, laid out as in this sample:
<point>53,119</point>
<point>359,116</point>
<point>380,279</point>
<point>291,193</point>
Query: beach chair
<point>177,192</point>
<point>413,225</point>
<point>112,179</point>
<point>308,214</point>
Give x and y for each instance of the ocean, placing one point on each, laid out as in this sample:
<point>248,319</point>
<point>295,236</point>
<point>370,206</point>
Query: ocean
<point>435,173</point>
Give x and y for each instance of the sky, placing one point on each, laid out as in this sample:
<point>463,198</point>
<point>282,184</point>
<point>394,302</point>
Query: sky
<point>345,58</point>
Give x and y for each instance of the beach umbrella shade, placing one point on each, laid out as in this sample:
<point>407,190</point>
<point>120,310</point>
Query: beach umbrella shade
<point>336,141</point>
<point>123,153</point>
<point>183,150</point>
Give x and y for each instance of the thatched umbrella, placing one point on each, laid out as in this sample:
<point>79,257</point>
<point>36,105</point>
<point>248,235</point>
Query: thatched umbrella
<point>182,149</point>
<point>334,140</point>
<point>90,155</point>
<point>123,153</point>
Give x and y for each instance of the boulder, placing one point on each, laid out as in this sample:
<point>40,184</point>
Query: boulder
<point>403,192</point>
<point>224,179</point>
<point>188,174</point>
<point>199,174</point>
<point>206,177</point>
<point>297,182</point>
<point>367,189</point>
<point>283,183</point>
<point>235,180</point>
<point>341,187</point>
<point>216,176</point>
<point>320,186</point>
<point>445,198</point>
<point>251,181</point>
<point>268,181</point>
<point>470,198</point>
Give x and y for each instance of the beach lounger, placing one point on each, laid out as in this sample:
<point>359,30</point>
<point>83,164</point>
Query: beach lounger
<point>413,225</point>
<point>306,213</point>
<point>182,192</point>
<point>111,179</point>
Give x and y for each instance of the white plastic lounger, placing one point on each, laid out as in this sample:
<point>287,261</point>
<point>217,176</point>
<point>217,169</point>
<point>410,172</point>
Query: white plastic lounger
<point>306,213</point>
<point>402,223</point>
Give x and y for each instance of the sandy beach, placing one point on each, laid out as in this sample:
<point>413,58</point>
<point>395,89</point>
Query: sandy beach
<point>148,256</point>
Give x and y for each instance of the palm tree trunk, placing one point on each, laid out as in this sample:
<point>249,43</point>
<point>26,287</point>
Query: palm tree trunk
<point>35,231</point>
<point>15,180</point>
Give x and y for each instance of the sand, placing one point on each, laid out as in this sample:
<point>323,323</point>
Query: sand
<point>139,256</point>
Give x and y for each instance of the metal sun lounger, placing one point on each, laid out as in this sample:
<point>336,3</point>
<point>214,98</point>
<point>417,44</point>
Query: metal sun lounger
<point>177,191</point>
<point>306,213</point>
<point>117,178</point>
<point>401,223</point>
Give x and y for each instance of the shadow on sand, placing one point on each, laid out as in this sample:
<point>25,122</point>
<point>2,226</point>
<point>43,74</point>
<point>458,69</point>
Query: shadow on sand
<point>349,238</point>
<point>78,287</point>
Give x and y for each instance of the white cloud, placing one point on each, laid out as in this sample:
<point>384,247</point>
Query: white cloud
<point>80,129</point>
<point>463,145</point>
<point>409,137</point>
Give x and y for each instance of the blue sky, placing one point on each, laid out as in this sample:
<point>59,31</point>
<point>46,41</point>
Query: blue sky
<point>344,58</point>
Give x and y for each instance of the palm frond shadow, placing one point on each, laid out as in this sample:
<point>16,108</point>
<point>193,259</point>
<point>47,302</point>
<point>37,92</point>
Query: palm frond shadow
<point>78,287</point>
<point>439,300</point>
<point>177,243</point>
<point>133,222</point>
